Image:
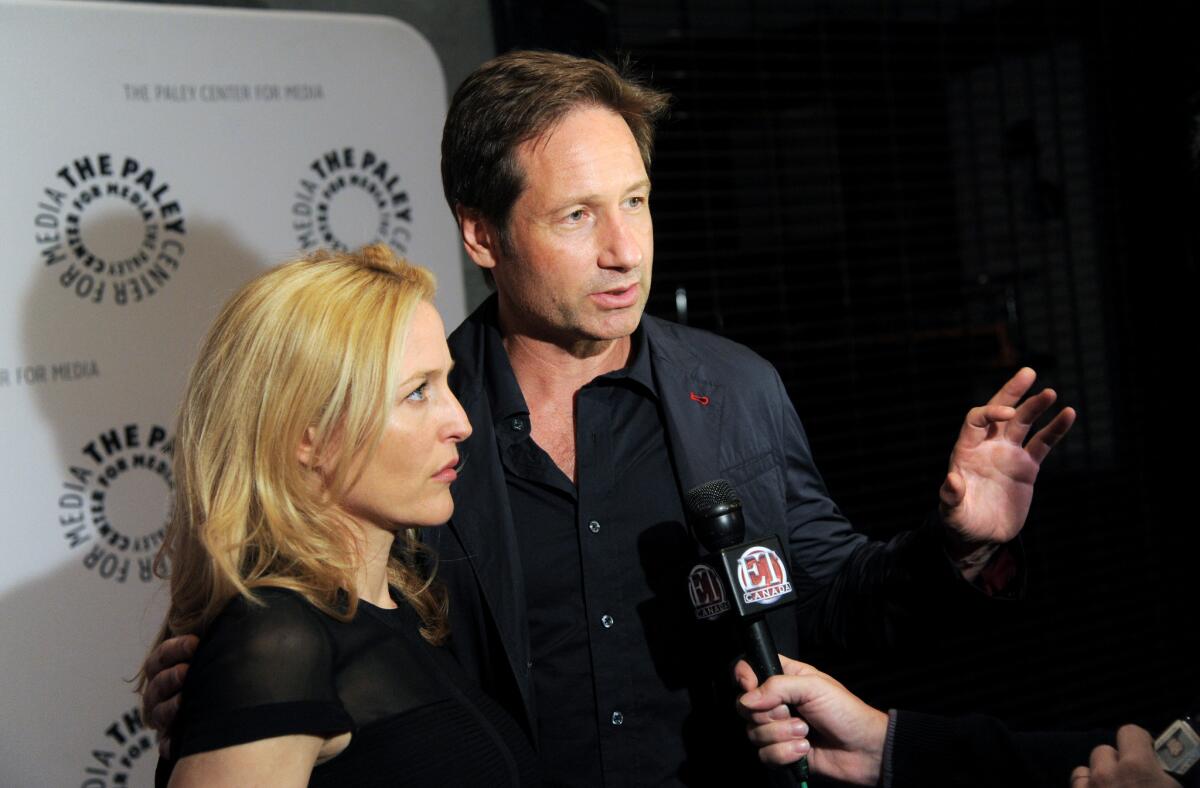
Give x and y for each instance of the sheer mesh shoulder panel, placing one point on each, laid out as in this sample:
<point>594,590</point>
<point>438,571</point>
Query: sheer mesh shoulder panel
<point>261,671</point>
<point>287,668</point>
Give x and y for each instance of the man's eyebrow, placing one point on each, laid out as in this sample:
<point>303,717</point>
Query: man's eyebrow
<point>587,199</point>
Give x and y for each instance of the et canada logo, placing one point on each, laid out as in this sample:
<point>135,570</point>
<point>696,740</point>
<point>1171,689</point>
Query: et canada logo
<point>111,229</point>
<point>126,741</point>
<point>707,592</point>
<point>762,576</point>
<point>116,500</point>
<point>349,198</point>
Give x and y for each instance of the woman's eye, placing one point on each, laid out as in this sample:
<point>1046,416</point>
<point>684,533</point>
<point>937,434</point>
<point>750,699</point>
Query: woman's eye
<point>418,394</point>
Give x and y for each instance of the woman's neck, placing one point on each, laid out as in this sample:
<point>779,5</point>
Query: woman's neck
<point>374,546</point>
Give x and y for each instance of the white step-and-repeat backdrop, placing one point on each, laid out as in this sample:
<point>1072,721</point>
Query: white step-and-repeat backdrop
<point>154,159</point>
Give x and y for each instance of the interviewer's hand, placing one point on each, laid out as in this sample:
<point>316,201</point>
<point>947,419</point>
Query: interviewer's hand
<point>847,736</point>
<point>1131,765</point>
<point>165,668</point>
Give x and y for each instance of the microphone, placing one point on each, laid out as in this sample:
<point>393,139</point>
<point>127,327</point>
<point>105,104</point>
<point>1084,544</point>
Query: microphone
<point>750,579</point>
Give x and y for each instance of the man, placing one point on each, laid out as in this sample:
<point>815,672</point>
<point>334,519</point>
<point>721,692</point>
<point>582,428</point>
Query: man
<point>859,745</point>
<point>563,555</point>
<point>591,419</point>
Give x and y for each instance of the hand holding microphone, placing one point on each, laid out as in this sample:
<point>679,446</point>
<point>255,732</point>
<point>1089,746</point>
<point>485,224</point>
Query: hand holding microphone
<point>842,736</point>
<point>746,580</point>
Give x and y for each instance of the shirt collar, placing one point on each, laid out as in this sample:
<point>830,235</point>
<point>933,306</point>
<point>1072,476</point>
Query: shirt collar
<point>505,397</point>
<point>639,369</point>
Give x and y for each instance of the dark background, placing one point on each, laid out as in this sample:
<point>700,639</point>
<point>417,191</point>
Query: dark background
<point>899,204</point>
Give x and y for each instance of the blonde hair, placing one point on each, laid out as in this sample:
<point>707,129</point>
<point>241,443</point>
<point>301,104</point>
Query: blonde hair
<point>306,349</point>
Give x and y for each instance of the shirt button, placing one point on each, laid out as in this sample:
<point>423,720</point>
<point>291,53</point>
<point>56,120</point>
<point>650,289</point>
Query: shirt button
<point>618,718</point>
<point>606,621</point>
<point>594,527</point>
<point>517,425</point>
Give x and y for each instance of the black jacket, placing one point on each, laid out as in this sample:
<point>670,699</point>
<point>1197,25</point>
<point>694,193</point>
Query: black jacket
<point>740,426</point>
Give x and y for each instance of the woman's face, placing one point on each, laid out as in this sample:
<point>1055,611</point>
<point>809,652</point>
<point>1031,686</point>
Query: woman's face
<point>407,480</point>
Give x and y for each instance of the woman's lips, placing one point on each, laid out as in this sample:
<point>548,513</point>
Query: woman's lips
<point>449,472</point>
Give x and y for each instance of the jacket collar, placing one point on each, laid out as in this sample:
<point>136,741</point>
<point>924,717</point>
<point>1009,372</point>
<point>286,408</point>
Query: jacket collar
<point>482,519</point>
<point>693,402</point>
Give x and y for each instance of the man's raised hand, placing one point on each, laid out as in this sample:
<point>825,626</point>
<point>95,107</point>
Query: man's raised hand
<point>988,488</point>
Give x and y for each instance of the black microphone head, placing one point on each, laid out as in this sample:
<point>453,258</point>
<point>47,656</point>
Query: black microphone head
<point>714,513</point>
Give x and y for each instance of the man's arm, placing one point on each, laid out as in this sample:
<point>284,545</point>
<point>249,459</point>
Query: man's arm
<point>165,670</point>
<point>853,591</point>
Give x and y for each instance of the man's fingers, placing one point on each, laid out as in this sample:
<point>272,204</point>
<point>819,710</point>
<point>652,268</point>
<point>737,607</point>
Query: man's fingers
<point>1102,761</point>
<point>953,490</point>
<point>1081,777</point>
<point>773,714</point>
<point>744,675</point>
<point>794,667</point>
<point>1045,439</point>
<point>1002,407</point>
<point>784,753</point>
<point>1131,737</point>
<point>171,652</point>
<point>1135,744</point>
<point>160,699</point>
<point>162,715</point>
<point>1012,391</point>
<point>748,681</point>
<point>1027,413</point>
<point>795,690</point>
<point>980,422</point>
<point>775,732</point>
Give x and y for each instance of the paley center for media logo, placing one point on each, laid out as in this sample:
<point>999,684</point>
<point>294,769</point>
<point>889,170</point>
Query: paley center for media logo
<point>116,499</point>
<point>110,228</point>
<point>125,743</point>
<point>348,198</point>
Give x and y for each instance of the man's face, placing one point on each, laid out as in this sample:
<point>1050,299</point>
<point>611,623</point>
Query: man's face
<point>580,234</point>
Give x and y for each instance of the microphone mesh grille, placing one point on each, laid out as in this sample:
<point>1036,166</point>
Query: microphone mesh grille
<point>700,500</point>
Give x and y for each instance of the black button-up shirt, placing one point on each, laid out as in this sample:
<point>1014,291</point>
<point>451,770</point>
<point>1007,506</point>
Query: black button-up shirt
<point>613,659</point>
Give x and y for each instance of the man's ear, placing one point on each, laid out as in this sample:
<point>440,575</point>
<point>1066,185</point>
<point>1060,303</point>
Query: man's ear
<point>479,237</point>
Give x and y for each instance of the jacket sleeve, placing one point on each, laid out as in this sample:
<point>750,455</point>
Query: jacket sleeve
<point>852,591</point>
<point>931,751</point>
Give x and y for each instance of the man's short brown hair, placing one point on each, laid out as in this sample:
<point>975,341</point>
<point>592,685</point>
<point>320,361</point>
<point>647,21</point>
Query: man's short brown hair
<point>516,97</point>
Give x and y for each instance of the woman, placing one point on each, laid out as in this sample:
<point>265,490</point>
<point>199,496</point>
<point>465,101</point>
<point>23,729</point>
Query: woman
<point>317,432</point>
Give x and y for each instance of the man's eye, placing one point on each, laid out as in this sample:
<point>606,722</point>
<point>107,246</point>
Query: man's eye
<point>575,216</point>
<point>637,202</point>
<point>418,394</point>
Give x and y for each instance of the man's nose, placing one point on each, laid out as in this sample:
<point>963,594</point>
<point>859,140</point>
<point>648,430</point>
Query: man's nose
<point>622,243</point>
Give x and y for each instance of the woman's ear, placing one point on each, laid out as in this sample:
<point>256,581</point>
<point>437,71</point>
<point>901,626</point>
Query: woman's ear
<point>306,452</point>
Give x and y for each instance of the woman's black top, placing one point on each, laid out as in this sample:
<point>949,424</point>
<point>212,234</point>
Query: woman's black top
<point>287,668</point>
